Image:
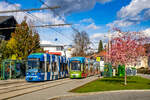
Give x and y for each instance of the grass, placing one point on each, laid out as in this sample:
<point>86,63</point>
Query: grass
<point>114,83</point>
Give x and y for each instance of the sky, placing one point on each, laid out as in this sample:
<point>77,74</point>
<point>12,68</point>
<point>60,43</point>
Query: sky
<point>96,17</point>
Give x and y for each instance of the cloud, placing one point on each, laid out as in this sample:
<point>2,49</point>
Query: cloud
<point>147,32</point>
<point>87,20</point>
<point>87,24</point>
<point>36,17</point>
<point>99,36</point>
<point>71,6</point>
<point>134,8</point>
<point>48,18</point>
<point>5,6</point>
<point>104,1</point>
<point>122,23</point>
<point>92,26</point>
<point>134,13</point>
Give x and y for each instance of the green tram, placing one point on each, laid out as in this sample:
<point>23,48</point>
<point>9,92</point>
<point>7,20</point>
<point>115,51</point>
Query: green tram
<point>78,67</point>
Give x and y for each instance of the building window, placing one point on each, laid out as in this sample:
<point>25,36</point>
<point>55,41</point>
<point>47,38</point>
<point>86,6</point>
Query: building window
<point>58,48</point>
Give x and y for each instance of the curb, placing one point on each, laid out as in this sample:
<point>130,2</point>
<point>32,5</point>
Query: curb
<point>94,93</point>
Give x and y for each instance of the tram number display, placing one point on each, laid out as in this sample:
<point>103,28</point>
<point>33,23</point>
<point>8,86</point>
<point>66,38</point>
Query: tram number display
<point>33,59</point>
<point>76,61</point>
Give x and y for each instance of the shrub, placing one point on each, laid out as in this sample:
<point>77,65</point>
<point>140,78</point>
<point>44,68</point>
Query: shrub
<point>143,70</point>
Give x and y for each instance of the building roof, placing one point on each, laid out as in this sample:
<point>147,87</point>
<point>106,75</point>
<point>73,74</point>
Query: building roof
<point>51,45</point>
<point>102,53</point>
<point>5,18</point>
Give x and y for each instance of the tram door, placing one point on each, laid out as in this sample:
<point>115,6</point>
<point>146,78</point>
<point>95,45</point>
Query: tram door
<point>54,64</point>
<point>61,70</point>
<point>47,69</point>
<point>65,69</point>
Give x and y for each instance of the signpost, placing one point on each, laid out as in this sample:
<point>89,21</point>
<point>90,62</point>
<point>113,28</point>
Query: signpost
<point>98,59</point>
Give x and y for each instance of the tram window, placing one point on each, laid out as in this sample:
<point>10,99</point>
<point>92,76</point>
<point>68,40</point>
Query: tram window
<point>75,66</point>
<point>54,66</point>
<point>83,67</point>
<point>61,67</point>
<point>65,68</point>
<point>47,67</point>
<point>42,66</point>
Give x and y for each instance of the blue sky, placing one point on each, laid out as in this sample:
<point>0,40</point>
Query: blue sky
<point>95,17</point>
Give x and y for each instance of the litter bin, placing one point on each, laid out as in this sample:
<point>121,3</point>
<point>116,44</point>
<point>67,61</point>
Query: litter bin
<point>121,70</point>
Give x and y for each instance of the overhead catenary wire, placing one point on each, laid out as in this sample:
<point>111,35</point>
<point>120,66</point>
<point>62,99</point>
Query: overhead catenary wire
<point>74,29</point>
<point>40,20</point>
<point>32,9</point>
<point>45,26</point>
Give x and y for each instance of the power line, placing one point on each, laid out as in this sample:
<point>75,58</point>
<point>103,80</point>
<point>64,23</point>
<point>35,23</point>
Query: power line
<point>32,9</point>
<point>43,26</point>
<point>28,13</point>
<point>41,21</point>
<point>59,16</point>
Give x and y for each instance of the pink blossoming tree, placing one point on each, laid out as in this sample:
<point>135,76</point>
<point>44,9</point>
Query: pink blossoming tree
<point>126,48</point>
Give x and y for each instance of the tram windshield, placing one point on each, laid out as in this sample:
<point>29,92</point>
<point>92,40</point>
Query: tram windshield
<point>33,64</point>
<point>76,66</point>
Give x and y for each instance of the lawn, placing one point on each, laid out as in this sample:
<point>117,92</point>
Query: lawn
<point>114,83</point>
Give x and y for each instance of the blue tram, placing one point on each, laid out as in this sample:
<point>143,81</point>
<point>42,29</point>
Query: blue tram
<point>43,67</point>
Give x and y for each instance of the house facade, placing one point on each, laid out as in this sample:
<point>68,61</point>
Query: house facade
<point>6,26</point>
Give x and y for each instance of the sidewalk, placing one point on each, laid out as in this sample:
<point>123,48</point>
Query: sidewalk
<point>144,75</point>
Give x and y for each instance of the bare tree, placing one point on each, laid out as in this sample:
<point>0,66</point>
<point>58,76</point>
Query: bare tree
<point>81,42</point>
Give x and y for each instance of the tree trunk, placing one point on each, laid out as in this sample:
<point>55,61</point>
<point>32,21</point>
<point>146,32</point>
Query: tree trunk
<point>125,77</point>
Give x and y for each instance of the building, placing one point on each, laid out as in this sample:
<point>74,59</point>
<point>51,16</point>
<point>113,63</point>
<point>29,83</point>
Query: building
<point>142,62</point>
<point>62,50</point>
<point>7,22</point>
<point>53,49</point>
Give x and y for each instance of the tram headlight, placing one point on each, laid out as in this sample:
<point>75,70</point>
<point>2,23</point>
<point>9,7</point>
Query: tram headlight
<point>75,74</point>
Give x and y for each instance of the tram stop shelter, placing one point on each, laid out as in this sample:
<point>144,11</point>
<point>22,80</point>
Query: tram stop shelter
<point>13,69</point>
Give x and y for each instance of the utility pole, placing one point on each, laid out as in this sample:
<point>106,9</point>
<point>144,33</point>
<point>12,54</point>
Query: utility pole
<point>109,46</point>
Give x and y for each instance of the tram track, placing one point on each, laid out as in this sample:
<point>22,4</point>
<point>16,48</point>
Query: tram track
<point>9,83</point>
<point>24,89</point>
<point>24,86</point>
<point>14,85</point>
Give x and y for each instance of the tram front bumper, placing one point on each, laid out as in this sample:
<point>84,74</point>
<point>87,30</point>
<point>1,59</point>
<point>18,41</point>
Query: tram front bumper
<point>75,75</point>
<point>33,78</point>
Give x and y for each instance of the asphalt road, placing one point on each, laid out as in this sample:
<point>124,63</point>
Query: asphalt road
<point>49,93</point>
<point>124,95</point>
